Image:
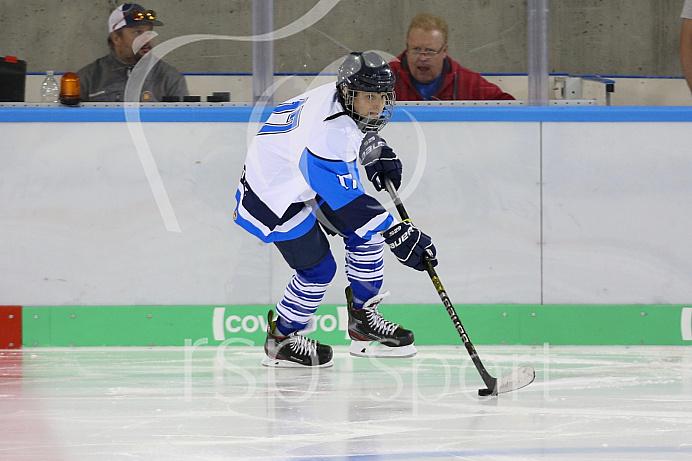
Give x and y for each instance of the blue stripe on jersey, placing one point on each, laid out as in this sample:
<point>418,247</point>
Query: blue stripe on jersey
<point>274,236</point>
<point>336,181</point>
<point>261,211</point>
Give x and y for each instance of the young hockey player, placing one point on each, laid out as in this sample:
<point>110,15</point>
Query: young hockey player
<point>301,173</point>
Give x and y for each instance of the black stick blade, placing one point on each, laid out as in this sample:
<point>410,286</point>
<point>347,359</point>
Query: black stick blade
<point>487,392</point>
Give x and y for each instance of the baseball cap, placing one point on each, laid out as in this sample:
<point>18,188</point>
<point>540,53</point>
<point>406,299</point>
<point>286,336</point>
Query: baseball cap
<point>131,14</point>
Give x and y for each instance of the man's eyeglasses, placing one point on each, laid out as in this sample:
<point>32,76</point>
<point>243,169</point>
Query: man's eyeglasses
<point>148,15</point>
<point>425,52</point>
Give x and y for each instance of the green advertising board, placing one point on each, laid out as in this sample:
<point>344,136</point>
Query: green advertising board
<point>86,326</point>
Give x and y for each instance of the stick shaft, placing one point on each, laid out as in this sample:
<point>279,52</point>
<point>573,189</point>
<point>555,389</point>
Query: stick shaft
<point>489,381</point>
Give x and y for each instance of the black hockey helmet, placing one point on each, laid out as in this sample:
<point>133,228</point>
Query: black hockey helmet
<point>366,72</point>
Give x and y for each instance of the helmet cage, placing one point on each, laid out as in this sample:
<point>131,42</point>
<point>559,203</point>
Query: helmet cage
<point>368,123</point>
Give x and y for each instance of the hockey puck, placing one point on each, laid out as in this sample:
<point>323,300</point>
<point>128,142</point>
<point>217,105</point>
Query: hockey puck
<point>485,392</point>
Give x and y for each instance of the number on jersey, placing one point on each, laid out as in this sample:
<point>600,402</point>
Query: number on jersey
<point>285,118</point>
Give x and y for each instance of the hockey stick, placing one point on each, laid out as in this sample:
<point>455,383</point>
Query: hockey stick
<point>519,378</point>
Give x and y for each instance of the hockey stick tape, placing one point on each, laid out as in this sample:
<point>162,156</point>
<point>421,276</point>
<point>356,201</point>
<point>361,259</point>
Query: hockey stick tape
<point>142,40</point>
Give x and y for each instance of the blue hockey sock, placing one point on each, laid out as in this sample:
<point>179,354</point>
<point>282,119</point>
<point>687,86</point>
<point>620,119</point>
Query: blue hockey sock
<point>363,292</point>
<point>286,328</point>
<point>365,271</point>
<point>303,295</point>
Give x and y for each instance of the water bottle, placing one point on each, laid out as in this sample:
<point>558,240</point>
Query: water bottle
<point>50,91</point>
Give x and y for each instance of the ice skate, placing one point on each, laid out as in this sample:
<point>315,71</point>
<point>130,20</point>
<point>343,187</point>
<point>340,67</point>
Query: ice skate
<point>294,350</point>
<point>374,336</point>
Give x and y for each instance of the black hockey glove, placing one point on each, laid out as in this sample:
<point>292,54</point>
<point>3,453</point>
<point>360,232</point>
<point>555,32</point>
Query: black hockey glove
<point>379,161</point>
<point>410,245</point>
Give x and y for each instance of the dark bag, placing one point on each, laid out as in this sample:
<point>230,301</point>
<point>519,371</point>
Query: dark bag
<point>12,79</point>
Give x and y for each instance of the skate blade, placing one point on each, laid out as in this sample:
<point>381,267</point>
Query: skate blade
<point>376,350</point>
<point>279,363</point>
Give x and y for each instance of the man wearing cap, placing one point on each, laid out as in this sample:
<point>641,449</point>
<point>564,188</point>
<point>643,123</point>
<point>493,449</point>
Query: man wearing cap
<point>130,35</point>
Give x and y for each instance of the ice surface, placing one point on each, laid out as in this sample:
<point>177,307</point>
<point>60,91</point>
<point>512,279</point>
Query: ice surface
<point>204,403</point>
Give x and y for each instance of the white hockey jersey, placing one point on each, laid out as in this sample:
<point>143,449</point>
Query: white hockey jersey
<point>304,157</point>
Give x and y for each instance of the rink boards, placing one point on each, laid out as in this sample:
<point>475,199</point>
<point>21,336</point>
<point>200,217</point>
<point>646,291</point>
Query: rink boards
<point>89,326</point>
<point>573,221</point>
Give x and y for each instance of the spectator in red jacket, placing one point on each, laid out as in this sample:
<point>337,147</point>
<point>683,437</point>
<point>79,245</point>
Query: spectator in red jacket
<point>425,72</point>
